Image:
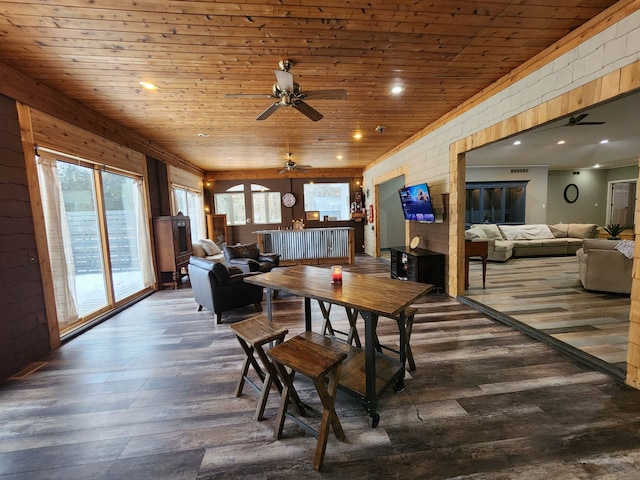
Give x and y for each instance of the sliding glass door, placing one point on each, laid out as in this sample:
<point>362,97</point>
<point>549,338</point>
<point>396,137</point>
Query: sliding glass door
<point>98,238</point>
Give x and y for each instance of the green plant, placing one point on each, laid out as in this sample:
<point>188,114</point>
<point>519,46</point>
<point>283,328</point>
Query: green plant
<point>613,229</point>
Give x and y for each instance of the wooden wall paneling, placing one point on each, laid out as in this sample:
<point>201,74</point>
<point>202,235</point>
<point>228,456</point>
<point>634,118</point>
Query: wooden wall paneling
<point>630,77</point>
<point>62,136</point>
<point>633,350</point>
<point>26,128</point>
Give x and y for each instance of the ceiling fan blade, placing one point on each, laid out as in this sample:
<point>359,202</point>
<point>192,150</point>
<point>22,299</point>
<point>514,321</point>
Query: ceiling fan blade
<point>269,111</point>
<point>591,123</point>
<point>307,110</point>
<point>575,120</point>
<point>249,95</point>
<point>338,94</point>
<point>285,81</point>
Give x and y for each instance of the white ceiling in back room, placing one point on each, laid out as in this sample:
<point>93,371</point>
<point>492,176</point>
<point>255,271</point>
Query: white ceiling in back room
<point>585,143</point>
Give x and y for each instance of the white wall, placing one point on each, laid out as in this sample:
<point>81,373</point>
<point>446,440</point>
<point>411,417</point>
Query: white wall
<point>427,158</point>
<point>590,207</point>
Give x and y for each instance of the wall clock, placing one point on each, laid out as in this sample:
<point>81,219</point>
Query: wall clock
<point>288,199</point>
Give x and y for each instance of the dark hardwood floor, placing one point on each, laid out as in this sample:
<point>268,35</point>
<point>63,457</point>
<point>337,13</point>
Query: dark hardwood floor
<point>149,394</point>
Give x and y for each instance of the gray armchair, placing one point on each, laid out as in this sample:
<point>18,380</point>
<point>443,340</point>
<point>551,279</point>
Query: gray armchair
<point>603,268</point>
<point>219,288</point>
<point>247,257</point>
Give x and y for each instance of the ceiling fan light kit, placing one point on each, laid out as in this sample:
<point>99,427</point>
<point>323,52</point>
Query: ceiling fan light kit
<point>288,94</point>
<point>290,165</point>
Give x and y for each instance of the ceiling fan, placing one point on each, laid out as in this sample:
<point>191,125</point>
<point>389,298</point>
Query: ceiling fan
<point>290,165</point>
<point>578,120</point>
<point>288,94</point>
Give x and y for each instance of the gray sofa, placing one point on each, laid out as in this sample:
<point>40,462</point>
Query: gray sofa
<point>506,241</point>
<point>603,268</point>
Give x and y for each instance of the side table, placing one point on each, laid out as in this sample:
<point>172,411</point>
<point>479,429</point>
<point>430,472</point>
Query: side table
<point>478,248</point>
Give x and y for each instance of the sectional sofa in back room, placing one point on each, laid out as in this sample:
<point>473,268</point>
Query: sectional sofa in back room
<point>506,241</point>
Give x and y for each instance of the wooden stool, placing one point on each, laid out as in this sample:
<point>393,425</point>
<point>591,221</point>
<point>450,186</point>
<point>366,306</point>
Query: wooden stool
<point>253,334</point>
<point>409,315</point>
<point>309,354</point>
<point>327,327</point>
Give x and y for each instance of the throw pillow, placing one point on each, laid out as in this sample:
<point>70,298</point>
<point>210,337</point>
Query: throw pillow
<point>474,233</point>
<point>491,230</point>
<point>582,230</point>
<point>198,251</point>
<point>210,247</point>
<point>559,230</point>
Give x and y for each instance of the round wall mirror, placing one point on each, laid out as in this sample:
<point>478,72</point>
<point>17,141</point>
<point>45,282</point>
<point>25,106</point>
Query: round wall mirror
<point>571,193</point>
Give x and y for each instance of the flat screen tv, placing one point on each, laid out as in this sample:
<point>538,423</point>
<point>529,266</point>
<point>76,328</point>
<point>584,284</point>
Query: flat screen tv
<point>416,203</point>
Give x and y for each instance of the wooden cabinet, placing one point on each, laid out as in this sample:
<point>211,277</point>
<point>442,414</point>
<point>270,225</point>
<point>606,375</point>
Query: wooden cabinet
<point>418,265</point>
<point>173,248</point>
<point>217,228</point>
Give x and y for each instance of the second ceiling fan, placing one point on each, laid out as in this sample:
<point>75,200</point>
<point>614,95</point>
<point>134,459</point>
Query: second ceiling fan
<point>288,94</point>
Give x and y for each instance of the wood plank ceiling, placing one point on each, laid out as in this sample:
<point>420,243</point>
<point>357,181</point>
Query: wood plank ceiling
<point>442,52</point>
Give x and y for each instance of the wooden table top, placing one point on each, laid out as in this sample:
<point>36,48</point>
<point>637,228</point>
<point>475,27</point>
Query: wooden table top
<point>384,296</point>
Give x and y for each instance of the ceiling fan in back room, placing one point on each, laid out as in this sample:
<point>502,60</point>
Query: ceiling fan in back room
<point>579,120</point>
<point>289,94</point>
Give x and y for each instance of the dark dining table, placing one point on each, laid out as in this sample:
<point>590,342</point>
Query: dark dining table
<point>367,372</point>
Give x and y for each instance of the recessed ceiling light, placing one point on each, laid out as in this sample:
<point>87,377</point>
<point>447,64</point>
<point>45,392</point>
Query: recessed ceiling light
<point>604,141</point>
<point>203,135</point>
<point>148,86</point>
<point>561,142</point>
<point>397,89</point>
<point>357,136</point>
<point>597,165</point>
<point>517,142</point>
<point>339,157</point>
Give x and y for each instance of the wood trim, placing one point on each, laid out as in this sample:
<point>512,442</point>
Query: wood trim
<point>274,173</point>
<point>28,148</point>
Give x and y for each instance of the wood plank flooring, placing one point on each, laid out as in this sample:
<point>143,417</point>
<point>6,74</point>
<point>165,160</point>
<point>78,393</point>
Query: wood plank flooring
<point>149,394</point>
<point>545,293</point>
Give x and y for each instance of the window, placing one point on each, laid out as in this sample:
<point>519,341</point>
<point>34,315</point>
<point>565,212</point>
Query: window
<point>495,202</point>
<point>266,207</point>
<point>330,199</point>
<point>96,265</point>
<point>232,205</point>
<point>189,202</point>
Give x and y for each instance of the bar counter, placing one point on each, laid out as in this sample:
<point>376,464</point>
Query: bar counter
<point>309,246</point>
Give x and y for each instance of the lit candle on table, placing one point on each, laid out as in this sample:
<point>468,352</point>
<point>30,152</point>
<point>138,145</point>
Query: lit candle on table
<point>336,275</point>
